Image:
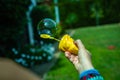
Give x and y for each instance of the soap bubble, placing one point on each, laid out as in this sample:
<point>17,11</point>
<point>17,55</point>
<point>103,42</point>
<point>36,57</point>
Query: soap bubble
<point>47,26</point>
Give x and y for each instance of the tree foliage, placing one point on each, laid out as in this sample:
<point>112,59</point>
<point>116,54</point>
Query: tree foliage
<point>76,13</point>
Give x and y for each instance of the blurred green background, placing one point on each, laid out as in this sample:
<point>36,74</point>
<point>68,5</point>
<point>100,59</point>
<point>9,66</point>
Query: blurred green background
<point>95,22</point>
<point>103,43</point>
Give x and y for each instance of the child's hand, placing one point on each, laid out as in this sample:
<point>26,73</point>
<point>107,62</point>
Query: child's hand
<point>82,61</point>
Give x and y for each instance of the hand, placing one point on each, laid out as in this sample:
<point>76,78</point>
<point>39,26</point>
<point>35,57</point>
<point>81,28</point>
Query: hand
<point>82,61</point>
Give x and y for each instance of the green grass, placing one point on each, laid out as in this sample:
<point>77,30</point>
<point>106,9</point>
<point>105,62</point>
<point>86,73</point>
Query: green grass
<point>63,70</point>
<point>98,40</point>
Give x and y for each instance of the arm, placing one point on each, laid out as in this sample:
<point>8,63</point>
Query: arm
<point>83,63</point>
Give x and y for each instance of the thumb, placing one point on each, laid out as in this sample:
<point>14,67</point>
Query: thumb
<point>79,44</point>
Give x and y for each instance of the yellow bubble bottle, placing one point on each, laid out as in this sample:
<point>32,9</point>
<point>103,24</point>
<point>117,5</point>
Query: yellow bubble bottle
<point>65,44</point>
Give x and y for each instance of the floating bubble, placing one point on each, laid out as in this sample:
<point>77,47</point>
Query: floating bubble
<point>47,26</point>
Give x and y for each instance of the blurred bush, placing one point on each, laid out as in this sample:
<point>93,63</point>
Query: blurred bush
<point>12,23</point>
<point>30,56</point>
<point>14,34</point>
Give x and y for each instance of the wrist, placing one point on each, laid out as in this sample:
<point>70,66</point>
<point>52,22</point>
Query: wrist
<point>85,68</point>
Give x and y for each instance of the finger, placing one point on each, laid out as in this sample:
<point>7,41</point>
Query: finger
<point>70,57</point>
<point>82,51</point>
<point>67,54</point>
<point>79,44</point>
<point>88,53</point>
<point>75,61</point>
